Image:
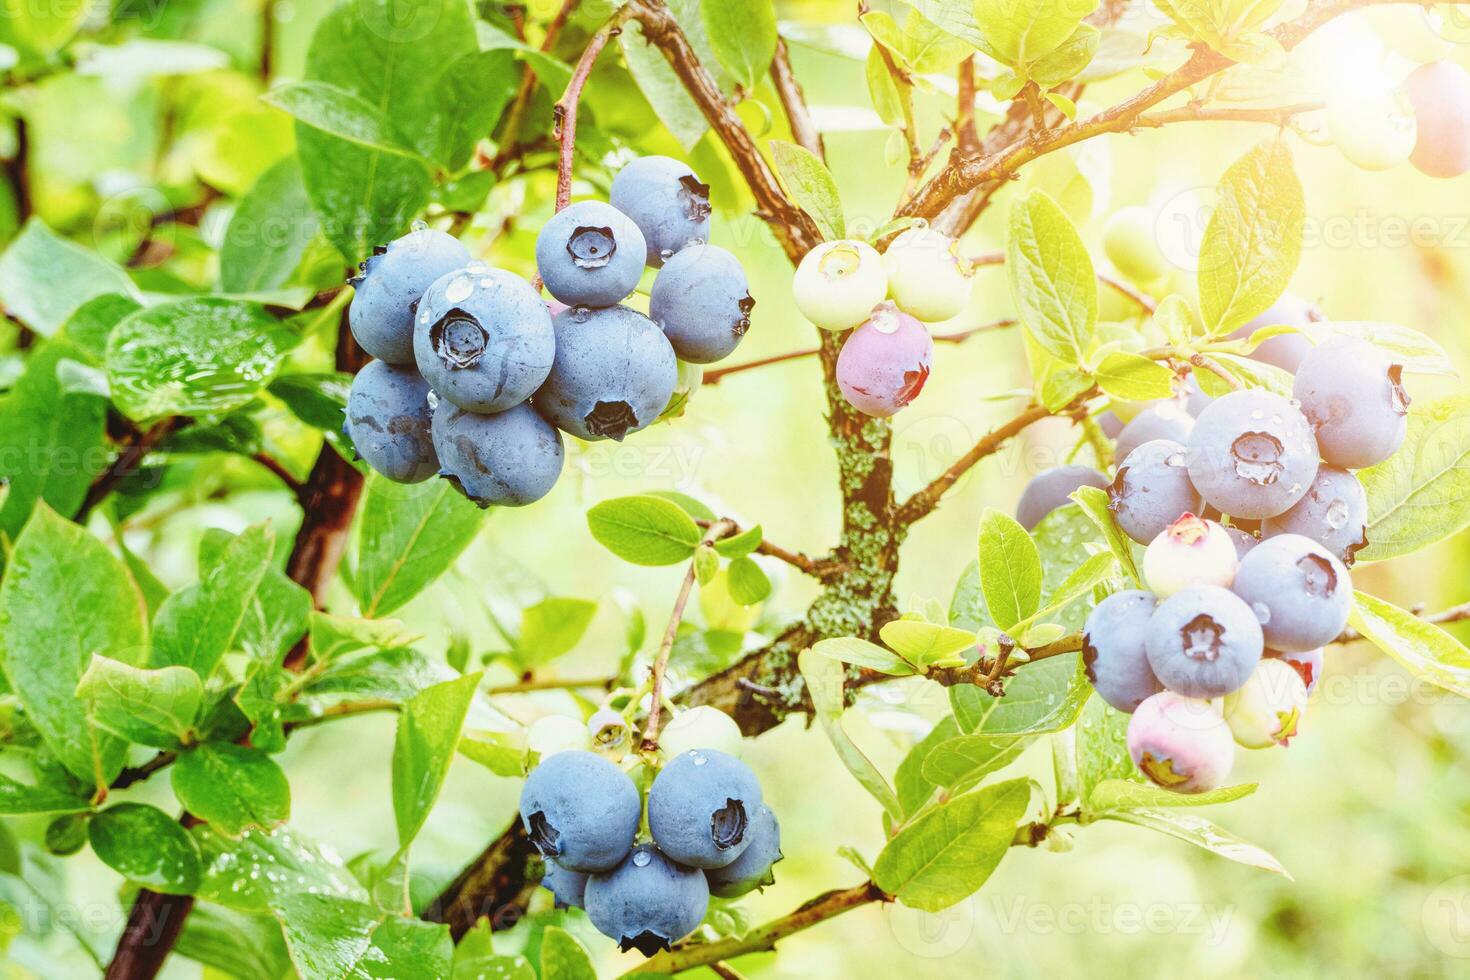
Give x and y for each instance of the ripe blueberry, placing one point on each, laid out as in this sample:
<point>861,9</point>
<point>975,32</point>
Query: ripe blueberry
<point>699,808</point>
<point>884,363</point>
<point>927,277</point>
<point>590,254</point>
<point>838,283</point>
<point>387,293</point>
<point>752,869</point>
<point>1300,592</point>
<point>1268,708</point>
<point>1181,744</point>
<point>614,373</point>
<point>700,727</point>
<point>1203,642</point>
<point>1131,245</point>
<point>1355,399</point>
<point>1252,454</point>
<point>1051,489</point>
<point>1286,350</point>
<point>1190,551</point>
<point>1169,419</point>
<point>1244,540</point>
<point>509,459</point>
<point>1308,665</point>
<point>1152,490</point>
<point>388,416</point>
<point>1440,93</point>
<point>580,810</point>
<point>648,902</point>
<point>1334,513</point>
<point>567,887</point>
<point>666,200</point>
<point>702,302</point>
<point>1113,650</point>
<point>483,339</point>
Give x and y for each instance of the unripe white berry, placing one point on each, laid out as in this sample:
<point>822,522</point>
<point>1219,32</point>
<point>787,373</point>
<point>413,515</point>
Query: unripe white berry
<point>838,283</point>
<point>702,727</point>
<point>1191,551</point>
<point>1268,709</point>
<point>927,277</point>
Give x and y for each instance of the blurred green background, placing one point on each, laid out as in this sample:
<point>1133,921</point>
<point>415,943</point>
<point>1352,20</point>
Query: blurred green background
<point>1367,810</point>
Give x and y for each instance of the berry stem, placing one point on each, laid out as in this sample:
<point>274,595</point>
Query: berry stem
<point>716,531</point>
<point>803,130</point>
<point>564,113</point>
<point>821,570</point>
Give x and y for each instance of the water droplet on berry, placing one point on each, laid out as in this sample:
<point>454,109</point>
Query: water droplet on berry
<point>1176,460</point>
<point>699,757</point>
<point>1258,414</point>
<point>1262,611</point>
<point>666,254</point>
<point>694,242</point>
<point>459,290</point>
<point>433,399</point>
<point>885,320</point>
<point>419,225</point>
<point>581,313</point>
<point>641,859</point>
<point>1337,514</point>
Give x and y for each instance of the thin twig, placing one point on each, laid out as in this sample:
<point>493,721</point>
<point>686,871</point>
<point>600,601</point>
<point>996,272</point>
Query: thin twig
<point>552,684</point>
<point>967,140</point>
<point>510,134</point>
<point>127,463</point>
<point>280,472</point>
<point>803,130</point>
<point>564,113</point>
<point>821,570</point>
<point>1211,365</point>
<point>1198,112</point>
<point>661,659</point>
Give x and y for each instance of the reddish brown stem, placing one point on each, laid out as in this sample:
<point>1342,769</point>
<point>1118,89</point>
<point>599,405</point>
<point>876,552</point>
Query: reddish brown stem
<point>564,113</point>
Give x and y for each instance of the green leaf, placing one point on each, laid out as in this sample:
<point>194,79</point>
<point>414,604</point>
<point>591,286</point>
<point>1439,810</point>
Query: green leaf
<point>475,958</point>
<point>1051,277</point>
<point>334,637</point>
<point>146,845</point>
<point>390,54</point>
<point>331,938</point>
<point>1421,494</point>
<point>662,88</point>
<point>317,399</point>
<point>1067,61</point>
<point>743,35</point>
<point>1126,794</point>
<point>1018,32</point>
<point>742,544</point>
<point>1102,747</point>
<point>883,89</point>
<point>389,675</point>
<point>851,650</point>
<point>1130,377</point>
<point>927,645</point>
<point>408,535</point>
<point>1078,584</point>
<point>1046,696</point>
<point>562,957</point>
<point>811,185</point>
<point>824,679</point>
<point>1201,833</point>
<point>340,113</point>
<point>503,753</point>
<point>269,232</point>
<point>1421,647</point>
<point>913,787</point>
<point>644,530</point>
<point>55,438</point>
<point>1249,373</point>
<point>947,854</point>
<point>689,505</point>
<point>473,93</point>
<point>64,598</point>
<point>1067,541</point>
<point>45,278</point>
<point>233,943</point>
<point>198,625</point>
<point>963,761</point>
<point>150,707</point>
<point>1010,569</point>
<point>428,733</point>
<point>747,583</point>
<point>919,45</point>
<point>553,627</point>
<point>232,787</point>
<point>1094,504</point>
<point>196,356</point>
<point>45,797</point>
<point>1253,240</point>
<point>298,865</point>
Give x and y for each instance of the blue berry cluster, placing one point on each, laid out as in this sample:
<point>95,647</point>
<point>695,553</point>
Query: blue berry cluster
<point>1226,643</point>
<point>476,376</point>
<point>709,833</point>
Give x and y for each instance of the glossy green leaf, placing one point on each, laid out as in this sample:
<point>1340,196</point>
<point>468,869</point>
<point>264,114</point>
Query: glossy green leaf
<point>408,535</point>
<point>334,637</point>
<point>339,113</point>
<point>233,943</point>
<point>388,675</point>
<point>739,545</point>
<point>1067,60</point>
<point>1010,569</point>
<point>203,355</point>
<point>743,35</point>
<point>811,185</point>
<point>1045,696</point>
<point>1201,833</point>
<point>824,679</point>
<point>428,733</point>
<point>1051,277</point>
<point>48,797</point>
<point>1253,240</point>
<point>861,653</point>
<point>331,938</point>
<point>961,762</point>
<point>947,854</point>
<point>644,530</point>
<point>1018,32</point>
<point>552,627</point>
<point>927,644</point>
<point>1094,504</point>
<point>1421,494</point>
<point>45,278</point>
<point>914,788</point>
<point>198,625</point>
<point>150,707</point>
<point>64,598</point>
<point>269,232</point>
<point>1134,378</point>
<point>562,957</point>
<point>475,958</point>
<point>1424,649</point>
<point>252,872</point>
<point>147,846</point>
<point>662,88</point>
<point>1126,794</point>
<point>232,787</point>
<point>748,584</point>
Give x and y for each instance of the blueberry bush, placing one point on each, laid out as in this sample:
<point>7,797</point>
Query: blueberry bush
<point>302,299</point>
